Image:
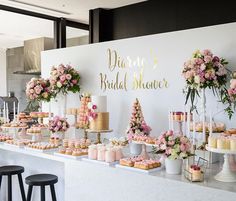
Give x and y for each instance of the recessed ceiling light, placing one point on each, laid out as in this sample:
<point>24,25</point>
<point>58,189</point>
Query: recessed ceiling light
<point>41,7</point>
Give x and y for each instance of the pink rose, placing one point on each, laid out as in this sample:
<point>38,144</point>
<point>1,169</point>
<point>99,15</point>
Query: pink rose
<point>198,61</point>
<point>31,91</point>
<point>216,59</point>
<point>230,92</point>
<point>37,90</point>
<point>63,78</point>
<point>94,107</point>
<point>169,133</point>
<point>59,123</point>
<point>31,85</point>
<point>74,81</point>
<point>207,52</point>
<point>233,83</point>
<point>68,76</point>
<point>94,115</point>
<point>207,59</point>
<point>171,143</point>
<point>168,151</point>
<point>183,147</point>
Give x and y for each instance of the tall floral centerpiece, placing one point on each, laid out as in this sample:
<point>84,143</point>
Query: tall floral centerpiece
<point>137,126</point>
<point>175,149</point>
<point>58,126</point>
<point>64,79</point>
<point>39,90</point>
<point>204,70</point>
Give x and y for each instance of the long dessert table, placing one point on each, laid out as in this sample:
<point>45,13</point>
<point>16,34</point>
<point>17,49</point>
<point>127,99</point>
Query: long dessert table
<point>81,180</point>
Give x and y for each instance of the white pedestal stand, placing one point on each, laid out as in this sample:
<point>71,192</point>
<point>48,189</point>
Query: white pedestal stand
<point>226,174</point>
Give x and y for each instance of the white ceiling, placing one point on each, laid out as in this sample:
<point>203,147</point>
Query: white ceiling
<point>15,28</point>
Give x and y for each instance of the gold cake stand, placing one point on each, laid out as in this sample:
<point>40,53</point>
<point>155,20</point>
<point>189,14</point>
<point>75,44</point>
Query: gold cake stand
<point>99,132</point>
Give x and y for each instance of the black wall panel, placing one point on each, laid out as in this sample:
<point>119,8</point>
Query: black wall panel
<point>158,16</point>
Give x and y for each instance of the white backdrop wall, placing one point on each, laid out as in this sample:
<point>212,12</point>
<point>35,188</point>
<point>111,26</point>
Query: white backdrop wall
<point>161,57</point>
<point>3,74</point>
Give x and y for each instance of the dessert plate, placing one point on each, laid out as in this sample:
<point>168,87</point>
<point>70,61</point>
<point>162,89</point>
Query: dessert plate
<point>139,170</point>
<point>13,145</point>
<point>70,156</point>
<point>41,150</point>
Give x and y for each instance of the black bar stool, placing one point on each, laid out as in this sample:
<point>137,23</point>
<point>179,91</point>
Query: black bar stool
<point>41,180</point>
<point>9,171</point>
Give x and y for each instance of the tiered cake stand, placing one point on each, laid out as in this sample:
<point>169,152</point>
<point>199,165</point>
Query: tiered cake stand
<point>15,130</point>
<point>99,132</point>
<point>226,174</point>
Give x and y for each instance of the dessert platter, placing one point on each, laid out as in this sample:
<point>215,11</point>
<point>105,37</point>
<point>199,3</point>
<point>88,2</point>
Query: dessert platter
<point>21,143</point>
<point>217,127</point>
<point>139,164</point>
<point>104,154</point>
<point>4,138</point>
<point>73,153</point>
<point>74,148</point>
<point>224,145</point>
<point>14,125</point>
<point>42,147</point>
<point>24,118</point>
<point>40,116</point>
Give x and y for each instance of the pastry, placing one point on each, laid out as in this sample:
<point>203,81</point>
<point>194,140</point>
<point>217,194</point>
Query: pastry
<point>92,152</point>
<point>212,142</point>
<point>101,153</point>
<point>233,144</point>
<point>196,173</point>
<point>231,131</point>
<point>110,155</point>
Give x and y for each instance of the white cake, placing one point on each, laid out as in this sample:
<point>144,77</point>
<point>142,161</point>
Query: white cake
<point>101,122</point>
<point>100,102</point>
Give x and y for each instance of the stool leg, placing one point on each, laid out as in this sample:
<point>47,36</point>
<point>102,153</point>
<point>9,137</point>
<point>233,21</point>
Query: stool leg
<point>53,193</point>
<point>9,188</point>
<point>22,190</point>
<point>0,181</point>
<point>29,193</point>
<point>42,193</point>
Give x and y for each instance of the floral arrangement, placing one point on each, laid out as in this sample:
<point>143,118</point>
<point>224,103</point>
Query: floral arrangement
<point>64,79</point>
<point>39,89</point>
<point>228,96</point>
<point>204,70</point>
<point>174,147</point>
<point>58,124</point>
<point>92,111</point>
<point>137,125</point>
